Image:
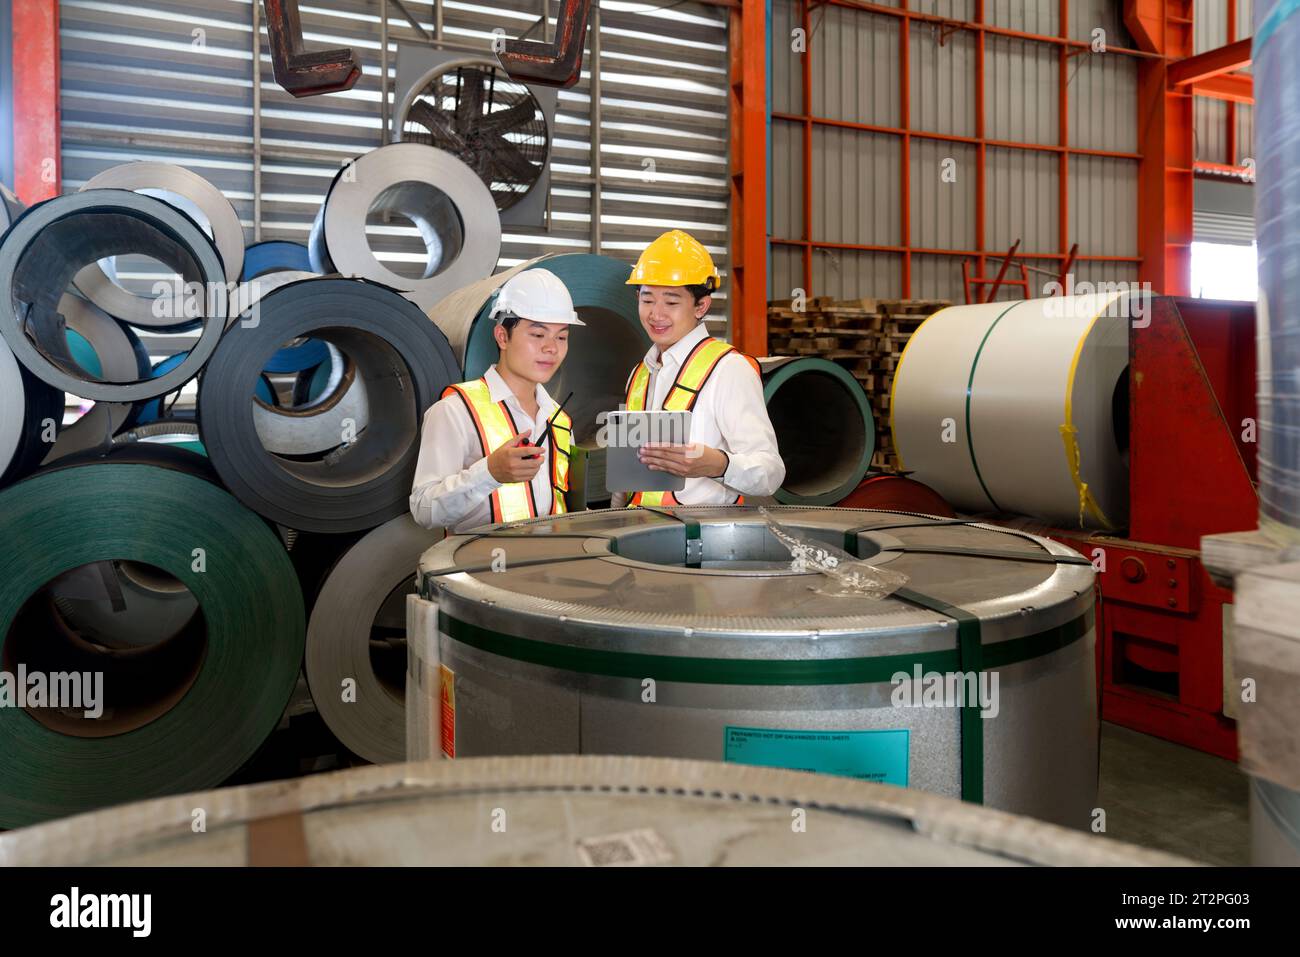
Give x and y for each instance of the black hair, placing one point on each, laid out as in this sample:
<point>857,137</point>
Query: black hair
<point>700,291</point>
<point>509,322</point>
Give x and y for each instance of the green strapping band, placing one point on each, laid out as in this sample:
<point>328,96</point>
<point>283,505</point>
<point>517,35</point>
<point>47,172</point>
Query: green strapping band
<point>1046,558</point>
<point>969,658</point>
<point>749,671</point>
<point>970,384</point>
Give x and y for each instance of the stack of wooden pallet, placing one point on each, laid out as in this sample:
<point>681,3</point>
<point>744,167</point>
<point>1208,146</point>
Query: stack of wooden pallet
<point>865,336</point>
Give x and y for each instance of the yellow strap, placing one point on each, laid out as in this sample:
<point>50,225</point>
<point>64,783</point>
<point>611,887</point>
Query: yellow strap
<point>1070,436</point>
<point>513,502</point>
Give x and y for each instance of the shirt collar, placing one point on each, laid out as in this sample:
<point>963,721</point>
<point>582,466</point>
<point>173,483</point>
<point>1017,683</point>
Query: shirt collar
<point>680,349</point>
<point>500,392</point>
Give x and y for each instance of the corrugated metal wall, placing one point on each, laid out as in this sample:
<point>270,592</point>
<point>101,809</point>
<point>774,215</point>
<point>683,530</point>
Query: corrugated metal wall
<point>1210,31</point>
<point>856,192</point>
<point>172,80</point>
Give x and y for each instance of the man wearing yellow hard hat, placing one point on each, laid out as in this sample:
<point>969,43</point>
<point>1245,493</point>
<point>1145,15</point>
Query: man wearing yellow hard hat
<point>733,450</point>
<point>497,449</point>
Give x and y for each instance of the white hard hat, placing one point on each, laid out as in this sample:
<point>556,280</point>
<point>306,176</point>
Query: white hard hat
<point>535,294</point>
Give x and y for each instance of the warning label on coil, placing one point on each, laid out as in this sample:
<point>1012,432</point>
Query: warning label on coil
<point>879,756</point>
<point>448,695</point>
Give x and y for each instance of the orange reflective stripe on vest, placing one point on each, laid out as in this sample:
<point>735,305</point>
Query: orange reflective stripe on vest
<point>691,379</point>
<point>496,426</point>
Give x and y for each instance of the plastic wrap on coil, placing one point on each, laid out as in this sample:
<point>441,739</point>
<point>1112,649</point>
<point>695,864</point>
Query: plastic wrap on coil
<point>1276,68</point>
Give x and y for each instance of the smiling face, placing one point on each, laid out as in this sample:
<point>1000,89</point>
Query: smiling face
<point>669,312</point>
<point>533,350</point>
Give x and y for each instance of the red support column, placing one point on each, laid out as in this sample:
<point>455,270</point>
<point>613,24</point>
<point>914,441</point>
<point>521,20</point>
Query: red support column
<point>905,123</point>
<point>1063,133</point>
<point>981,133</point>
<point>805,63</point>
<point>1165,142</point>
<point>38,173</point>
<point>1230,110</point>
<point>748,96</point>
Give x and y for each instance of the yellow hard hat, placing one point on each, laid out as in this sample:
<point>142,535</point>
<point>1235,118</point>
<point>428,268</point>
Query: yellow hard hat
<point>676,259</point>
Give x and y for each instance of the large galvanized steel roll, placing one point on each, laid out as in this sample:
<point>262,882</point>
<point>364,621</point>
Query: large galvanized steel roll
<point>580,811</point>
<point>180,715</point>
<point>401,358</point>
<point>1274,824</point>
<point>11,207</point>
<point>30,411</point>
<point>1020,407</point>
<point>450,206</point>
<point>824,426</point>
<point>602,354</point>
<point>52,241</point>
<point>356,639</point>
<point>588,633</point>
<point>192,195</point>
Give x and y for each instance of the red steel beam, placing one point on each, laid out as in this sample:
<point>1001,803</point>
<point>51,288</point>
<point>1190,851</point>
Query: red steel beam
<point>974,27</point>
<point>1212,63</point>
<point>748,96</point>
<point>38,170</point>
<point>921,251</point>
<point>953,137</point>
<point>1233,87</point>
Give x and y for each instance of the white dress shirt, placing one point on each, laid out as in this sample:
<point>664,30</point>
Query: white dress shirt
<point>453,486</point>
<point>729,414</point>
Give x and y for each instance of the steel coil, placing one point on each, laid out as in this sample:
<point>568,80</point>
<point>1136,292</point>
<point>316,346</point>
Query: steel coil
<point>315,425</point>
<point>404,363</point>
<point>115,351</point>
<point>30,411</point>
<point>825,429</point>
<point>578,811</point>
<point>184,714</point>
<point>194,196</point>
<point>52,241</point>
<point>356,633</point>
<point>1021,408</point>
<point>11,207</point>
<point>588,633</point>
<point>274,255</point>
<point>452,208</point>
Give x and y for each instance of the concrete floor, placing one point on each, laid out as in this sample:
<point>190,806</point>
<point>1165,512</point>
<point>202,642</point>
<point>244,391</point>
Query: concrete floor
<point>1171,798</point>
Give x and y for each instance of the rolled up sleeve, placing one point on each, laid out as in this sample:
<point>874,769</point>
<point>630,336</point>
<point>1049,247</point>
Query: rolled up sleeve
<point>748,437</point>
<point>447,488</point>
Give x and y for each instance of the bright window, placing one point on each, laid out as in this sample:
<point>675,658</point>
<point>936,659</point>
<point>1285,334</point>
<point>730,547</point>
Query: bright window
<point>1225,271</point>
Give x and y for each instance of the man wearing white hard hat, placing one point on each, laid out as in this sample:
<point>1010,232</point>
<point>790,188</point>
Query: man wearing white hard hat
<point>497,449</point>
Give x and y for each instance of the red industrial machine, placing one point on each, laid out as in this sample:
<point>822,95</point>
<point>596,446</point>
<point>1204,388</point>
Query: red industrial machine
<point>1192,453</point>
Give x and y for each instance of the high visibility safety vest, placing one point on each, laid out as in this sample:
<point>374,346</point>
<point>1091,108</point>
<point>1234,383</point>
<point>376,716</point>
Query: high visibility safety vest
<point>691,378</point>
<point>515,502</point>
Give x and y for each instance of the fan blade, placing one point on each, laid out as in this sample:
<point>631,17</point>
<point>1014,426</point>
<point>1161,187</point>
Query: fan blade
<point>469,105</point>
<point>507,160</point>
<point>502,121</point>
<point>439,124</point>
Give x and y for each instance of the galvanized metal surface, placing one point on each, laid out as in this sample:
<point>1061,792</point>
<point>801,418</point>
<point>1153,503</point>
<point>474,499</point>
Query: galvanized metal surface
<point>559,586</point>
<point>566,811</point>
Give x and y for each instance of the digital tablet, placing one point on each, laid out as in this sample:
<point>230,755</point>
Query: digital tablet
<point>625,433</point>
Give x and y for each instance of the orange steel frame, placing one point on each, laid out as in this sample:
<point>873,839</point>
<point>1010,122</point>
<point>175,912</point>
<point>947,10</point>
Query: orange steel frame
<point>1067,48</point>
